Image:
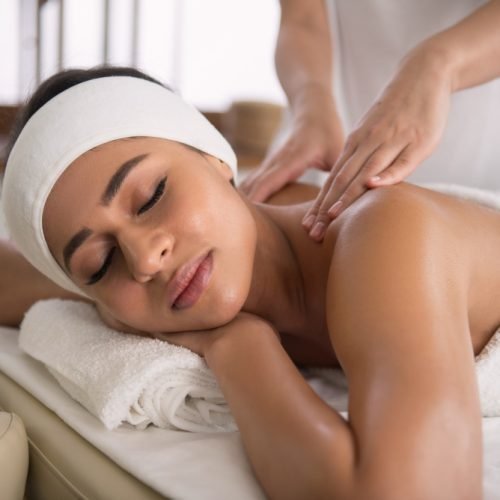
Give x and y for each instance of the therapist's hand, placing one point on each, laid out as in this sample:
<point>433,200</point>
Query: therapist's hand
<point>396,134</point>
<point>314,140</point>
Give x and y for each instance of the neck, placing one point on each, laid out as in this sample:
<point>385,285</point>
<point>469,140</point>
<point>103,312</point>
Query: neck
<point>277,290</point>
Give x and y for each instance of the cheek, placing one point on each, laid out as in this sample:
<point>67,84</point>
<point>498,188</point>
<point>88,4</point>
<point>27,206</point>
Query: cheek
<point>128,303</point>
<point>234,271</point>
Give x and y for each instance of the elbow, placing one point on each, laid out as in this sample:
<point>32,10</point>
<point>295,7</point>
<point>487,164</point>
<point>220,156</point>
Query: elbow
<point>386,476</point>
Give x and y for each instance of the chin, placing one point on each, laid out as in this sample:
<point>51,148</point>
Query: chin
<point>227,306</point>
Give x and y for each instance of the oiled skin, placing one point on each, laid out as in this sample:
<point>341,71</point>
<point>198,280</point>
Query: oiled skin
<point>400,294</point>
<point>407,302</point>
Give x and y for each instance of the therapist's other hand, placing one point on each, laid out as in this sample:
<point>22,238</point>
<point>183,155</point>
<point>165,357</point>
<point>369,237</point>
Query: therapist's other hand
<point>396,134</point>
<point>315,140</point>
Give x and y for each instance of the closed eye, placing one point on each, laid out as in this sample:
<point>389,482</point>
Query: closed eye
<point>102,271</point>
<point>148,205</point>
<point>156,196</point>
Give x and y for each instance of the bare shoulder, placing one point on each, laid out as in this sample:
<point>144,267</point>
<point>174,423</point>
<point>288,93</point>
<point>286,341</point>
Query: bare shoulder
<point>397,319</point>
<point>393,224</point>
<point>397,241</point>
<point>395,262</point>
<point>448,239</point>
<point>393,203</point>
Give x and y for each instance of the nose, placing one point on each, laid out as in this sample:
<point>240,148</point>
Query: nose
<point>146,252</point>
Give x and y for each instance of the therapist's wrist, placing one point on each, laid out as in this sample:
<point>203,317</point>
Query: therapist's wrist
<point>312,96</point>
<point>437,61</point>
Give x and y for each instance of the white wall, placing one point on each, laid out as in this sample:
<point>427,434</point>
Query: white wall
<point>9,35</point>
<point>212,51</point>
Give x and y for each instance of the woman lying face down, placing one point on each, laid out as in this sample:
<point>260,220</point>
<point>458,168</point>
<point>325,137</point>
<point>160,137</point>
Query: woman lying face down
<point>398,295</point>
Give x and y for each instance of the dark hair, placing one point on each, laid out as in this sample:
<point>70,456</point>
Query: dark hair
<point>60,82</point>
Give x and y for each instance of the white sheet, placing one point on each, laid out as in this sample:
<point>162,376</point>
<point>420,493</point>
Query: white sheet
<point>179,464</point>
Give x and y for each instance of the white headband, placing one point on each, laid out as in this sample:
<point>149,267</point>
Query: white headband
<point>76,120</point>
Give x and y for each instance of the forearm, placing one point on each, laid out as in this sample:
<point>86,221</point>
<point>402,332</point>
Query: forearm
<point>469,51</point>
<point>298,446</point>
<point>304,52</point>
<point>21,286</point>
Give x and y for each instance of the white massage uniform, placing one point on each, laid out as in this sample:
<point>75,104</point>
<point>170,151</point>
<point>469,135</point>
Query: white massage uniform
<point>371,37</point>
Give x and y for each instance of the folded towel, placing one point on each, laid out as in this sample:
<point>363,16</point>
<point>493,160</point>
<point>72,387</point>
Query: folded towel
<point>488,377</point>
<point>123,378</point>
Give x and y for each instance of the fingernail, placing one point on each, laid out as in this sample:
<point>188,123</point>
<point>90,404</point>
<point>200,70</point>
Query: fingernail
<point>377,178</point>
<point>317,229</point>
<point>334,209</point>
<point>308,221</point>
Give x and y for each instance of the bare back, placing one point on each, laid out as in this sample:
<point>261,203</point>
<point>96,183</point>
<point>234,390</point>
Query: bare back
<point>472,241</point>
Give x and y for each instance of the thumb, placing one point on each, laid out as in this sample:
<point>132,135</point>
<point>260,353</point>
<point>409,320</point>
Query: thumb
<point>266,185</point>
<point>276,178</point>
<point>248,183</point>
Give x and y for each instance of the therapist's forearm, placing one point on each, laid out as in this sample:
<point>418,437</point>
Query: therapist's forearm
<point>304,51</point>
<point>470,50</point>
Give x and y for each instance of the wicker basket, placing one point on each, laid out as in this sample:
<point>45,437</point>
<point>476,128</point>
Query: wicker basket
<point>250,126</point>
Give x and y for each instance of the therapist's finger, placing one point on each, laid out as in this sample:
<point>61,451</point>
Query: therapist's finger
<point>369,176</point>
<point>401,167</point>
<point>339,178</point>
<point>311,214</point>
<point>267,183</point>
<point>269,180</point>
<point>250,180</point>
<point>338,197</point>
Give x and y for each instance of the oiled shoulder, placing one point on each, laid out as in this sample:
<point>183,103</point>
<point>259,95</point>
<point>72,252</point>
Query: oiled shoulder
<point>393,203</point>
<point>401,231</point>
<point>396,212</point>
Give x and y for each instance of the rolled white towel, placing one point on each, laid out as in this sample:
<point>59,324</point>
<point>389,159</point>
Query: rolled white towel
<point>488,377</point>
<point>123,378</point>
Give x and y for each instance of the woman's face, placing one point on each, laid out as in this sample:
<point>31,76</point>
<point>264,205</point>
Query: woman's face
<point>136,222</point>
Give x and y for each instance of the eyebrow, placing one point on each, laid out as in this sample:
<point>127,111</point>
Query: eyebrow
<point>73,244</point>
<point>107,197</point>
<point>118,177</point>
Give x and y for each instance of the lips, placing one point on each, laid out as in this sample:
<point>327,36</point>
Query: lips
<point>189,282</point>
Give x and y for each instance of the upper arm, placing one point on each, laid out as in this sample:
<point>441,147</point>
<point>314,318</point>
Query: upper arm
<point>300,10</point>
<point>397,318</point>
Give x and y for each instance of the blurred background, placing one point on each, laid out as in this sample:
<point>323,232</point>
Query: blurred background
<point>217,54</point>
